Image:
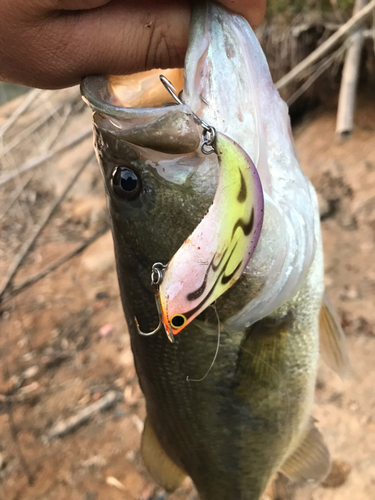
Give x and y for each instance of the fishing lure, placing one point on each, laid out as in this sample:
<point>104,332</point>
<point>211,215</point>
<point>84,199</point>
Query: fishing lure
<point>215,255</point>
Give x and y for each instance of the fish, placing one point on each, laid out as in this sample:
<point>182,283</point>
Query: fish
<point>250,417</point>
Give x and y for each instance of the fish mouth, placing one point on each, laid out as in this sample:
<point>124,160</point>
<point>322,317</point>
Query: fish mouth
<point>139,109</point>
<point>140,93</point>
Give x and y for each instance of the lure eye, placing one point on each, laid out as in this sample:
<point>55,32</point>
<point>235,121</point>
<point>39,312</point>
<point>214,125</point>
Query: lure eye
<point>125,183</point>
<point>178,321</point>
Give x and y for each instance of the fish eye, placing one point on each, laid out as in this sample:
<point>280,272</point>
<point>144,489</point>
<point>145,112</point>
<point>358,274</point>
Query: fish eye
<point>125,183</point>
<point>178,321</point>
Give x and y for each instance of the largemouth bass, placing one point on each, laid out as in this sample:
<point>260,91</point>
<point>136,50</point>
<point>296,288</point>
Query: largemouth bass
<point>251,415</point>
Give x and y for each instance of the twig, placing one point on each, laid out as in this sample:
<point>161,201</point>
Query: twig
<point>112,481</point>
<point>367,33</point>
<point>52,107</point>
<point>29,393</point>
<point>16,195</point>
<point>370,33</point>
<point>24,106</point>
<point>62,121</point>
<point>47,155</point>
<point>26,247</point>
<point>14,434</point>
<point>33,127</point>
<point>350,77</point>
<point>70,424</point>
<point>323,49</point>
<point>26,132</point>
<point>139,424</point>
<point>321,69</point>
<point>57,263</point>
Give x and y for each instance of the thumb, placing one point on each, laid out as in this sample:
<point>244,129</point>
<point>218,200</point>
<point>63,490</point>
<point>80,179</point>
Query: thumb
<point>252,10</point>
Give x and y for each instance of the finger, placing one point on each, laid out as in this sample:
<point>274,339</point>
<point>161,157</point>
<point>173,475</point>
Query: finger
<point>252,10</point>
<point>49,5</point>
<point>122,37</point>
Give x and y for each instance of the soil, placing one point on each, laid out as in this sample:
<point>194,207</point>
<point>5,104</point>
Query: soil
<point>64,343</point>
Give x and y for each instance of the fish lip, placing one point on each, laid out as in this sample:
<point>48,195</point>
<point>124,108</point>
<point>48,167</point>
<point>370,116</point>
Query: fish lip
<point>93,89</point>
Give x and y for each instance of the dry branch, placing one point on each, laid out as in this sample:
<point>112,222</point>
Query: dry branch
<point>325,64</point>
<point>38,123</point>
<point>70,424</point>
<point>350,77</point>
<point>57,263</point>
<point>22,108</point>
<point>14,434</point>
<point>327,46</point>
<point>112,481</point>
<point>61,123</point>
<point>47,155</point>
<point>25,133</point>
<point>15,195</point>
<point>26,247</point>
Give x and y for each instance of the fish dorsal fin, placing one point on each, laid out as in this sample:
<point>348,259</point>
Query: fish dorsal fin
<point>332,339</point>
<point>163,470</point>
<point>310,461</point>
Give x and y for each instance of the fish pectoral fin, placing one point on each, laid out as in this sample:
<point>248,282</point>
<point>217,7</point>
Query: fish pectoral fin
<point>163,470</point>
<point>332,339</point>
<point>310,461</point>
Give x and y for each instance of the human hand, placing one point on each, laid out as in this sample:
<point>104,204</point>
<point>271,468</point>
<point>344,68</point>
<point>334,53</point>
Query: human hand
<point>54,43</point>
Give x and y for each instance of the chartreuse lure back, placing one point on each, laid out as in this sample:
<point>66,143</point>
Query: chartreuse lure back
<point>214,256</point>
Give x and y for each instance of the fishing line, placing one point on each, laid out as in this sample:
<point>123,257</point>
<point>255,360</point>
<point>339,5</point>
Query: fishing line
<point>216,352</point>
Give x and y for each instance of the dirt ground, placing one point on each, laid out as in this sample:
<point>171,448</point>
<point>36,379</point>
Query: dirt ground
<point>64,344</point>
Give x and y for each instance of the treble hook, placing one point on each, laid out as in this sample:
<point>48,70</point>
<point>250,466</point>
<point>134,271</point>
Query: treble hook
<point>146,334</point>
<point>171,89</point>
<point>209,133</point>
<point>157,273</point>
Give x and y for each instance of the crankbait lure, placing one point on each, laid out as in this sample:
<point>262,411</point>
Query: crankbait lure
<point>215,255</point>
